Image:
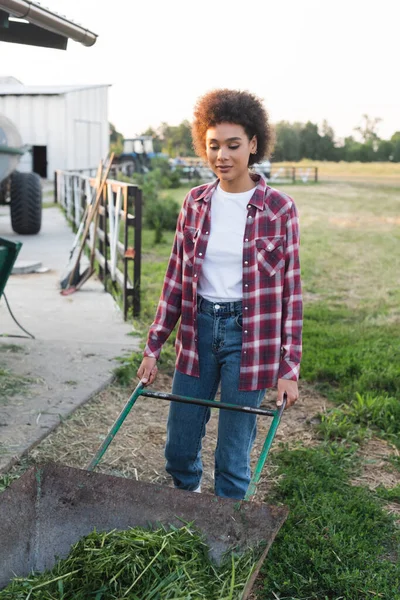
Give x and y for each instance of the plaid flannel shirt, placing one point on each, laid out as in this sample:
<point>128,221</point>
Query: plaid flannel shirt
<point>272,298</point>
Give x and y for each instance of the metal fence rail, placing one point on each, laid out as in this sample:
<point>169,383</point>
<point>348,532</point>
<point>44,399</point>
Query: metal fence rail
<point>115,237</point>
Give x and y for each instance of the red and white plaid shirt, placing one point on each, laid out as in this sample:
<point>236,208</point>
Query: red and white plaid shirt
<point>272,299</point>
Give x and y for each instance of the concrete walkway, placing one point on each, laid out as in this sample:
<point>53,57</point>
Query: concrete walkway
<point>77,340</point>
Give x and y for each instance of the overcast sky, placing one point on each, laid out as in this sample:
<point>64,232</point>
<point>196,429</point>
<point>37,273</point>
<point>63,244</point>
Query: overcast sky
<point>308,60</point>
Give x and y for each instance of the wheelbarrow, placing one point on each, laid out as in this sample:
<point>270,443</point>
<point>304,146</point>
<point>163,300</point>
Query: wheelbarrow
<point>8,255</point>
<point>51,507</point>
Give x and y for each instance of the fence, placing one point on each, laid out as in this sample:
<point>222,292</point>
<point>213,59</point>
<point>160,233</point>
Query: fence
<point>283,174</point>
<point>116,242</point>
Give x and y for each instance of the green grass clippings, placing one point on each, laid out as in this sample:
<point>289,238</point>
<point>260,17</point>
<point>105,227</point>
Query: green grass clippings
<point>137,564</point>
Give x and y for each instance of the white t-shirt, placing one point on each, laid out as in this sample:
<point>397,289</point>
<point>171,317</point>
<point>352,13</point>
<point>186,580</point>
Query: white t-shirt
<point>221,274</point>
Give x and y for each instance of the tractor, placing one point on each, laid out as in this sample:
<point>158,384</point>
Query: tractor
<point>136,155</point>
<point>22,191</point>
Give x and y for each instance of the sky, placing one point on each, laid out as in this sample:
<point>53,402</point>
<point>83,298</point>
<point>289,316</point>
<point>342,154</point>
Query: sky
<point>308,60</point>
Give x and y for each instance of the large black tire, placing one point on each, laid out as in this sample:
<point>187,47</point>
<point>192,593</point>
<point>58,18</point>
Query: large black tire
<point>26,203</point>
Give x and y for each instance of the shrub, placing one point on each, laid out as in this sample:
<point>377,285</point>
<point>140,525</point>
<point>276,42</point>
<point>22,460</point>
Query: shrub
<point>161,215</point>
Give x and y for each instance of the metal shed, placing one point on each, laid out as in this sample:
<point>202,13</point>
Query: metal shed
<point>66,125</point>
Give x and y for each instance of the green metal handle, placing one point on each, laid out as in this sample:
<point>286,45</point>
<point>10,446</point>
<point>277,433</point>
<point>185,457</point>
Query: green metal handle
<point>140,391</point>
<point>115,428</point>
<point>251,490</point>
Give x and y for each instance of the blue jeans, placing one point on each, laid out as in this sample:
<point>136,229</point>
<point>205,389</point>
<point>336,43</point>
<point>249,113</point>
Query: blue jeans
<point>219,346</point>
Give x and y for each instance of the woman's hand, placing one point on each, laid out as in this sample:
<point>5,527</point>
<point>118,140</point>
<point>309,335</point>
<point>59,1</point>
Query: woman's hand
<point>291,389</point>
<point>147,372</point>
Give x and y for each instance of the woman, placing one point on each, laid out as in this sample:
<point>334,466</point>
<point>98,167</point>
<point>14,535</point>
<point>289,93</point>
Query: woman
<point>234,280</point>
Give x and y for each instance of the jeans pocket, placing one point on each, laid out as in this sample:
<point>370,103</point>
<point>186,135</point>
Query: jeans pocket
<point>239,321</point>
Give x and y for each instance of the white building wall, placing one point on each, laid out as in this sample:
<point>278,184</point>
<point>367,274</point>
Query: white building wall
<point>41,122</point>
<point>87,127</point>
<point>72,125</point>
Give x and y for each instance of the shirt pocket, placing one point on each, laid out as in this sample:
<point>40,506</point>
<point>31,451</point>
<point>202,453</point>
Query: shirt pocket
<point>189,245</point>
<point>270,255</point>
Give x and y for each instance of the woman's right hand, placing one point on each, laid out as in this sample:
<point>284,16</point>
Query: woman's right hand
<point>147,372</point>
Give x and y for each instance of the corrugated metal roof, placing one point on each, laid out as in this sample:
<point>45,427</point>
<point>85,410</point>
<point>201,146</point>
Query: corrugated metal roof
<point>12,89</point>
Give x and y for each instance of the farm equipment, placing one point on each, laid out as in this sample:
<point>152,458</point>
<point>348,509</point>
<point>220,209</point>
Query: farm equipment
<point>51,507</point>
<point>136,155</point>
<point>22,191</point>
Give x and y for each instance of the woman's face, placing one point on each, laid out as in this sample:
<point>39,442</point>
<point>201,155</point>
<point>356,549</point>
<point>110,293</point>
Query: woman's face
<point>228,150</point>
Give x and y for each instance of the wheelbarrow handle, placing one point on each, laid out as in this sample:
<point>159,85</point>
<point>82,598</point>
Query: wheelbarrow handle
<point>141,391</point>
<point>115,428</point>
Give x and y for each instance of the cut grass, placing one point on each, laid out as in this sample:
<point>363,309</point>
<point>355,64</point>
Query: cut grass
<point>11,384</point>
<point>12,348</point>
<point>137,564</point>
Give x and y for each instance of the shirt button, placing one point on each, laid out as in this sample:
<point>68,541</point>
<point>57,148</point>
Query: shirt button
<point>195,274</point>
<point>246,308</point>
<point>245,331</point>
<point>245,352</point>
<point>200,254</point>
<point>246,285</point>
<point>206,232</point>
<point>246,240</point>
<point>249,206</point>
<point>246,262</point>
<point>270,246</point>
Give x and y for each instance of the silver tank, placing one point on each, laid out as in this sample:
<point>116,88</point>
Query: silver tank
<point>10,147</point>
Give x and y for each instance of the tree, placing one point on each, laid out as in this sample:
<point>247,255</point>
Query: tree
<point>395,139</point>
<point>116,140</point>
<point>177,139</point>
<point>287,145</point>
<point>326,147</point>
<point>310,141</point>
<point>368,129</point>
<point>384,151</point>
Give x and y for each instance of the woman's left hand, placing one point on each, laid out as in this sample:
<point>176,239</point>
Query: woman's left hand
<point>291,389</point>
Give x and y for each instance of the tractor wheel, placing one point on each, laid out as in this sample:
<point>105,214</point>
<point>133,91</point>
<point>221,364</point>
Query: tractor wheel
<point>26,203</point>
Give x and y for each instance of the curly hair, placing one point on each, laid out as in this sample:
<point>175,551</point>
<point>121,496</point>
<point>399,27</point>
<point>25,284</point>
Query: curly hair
<point>232,106</point>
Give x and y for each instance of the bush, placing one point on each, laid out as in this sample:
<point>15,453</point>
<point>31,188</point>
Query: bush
<point>169,178</point>
<point>161,215</point>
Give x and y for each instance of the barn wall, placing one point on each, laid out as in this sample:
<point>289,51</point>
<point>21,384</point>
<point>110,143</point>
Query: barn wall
<point>87,127</point>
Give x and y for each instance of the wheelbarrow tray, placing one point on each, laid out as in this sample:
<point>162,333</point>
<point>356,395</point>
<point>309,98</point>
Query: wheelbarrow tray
<point>50,507</point>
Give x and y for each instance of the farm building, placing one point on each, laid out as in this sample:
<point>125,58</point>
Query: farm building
<point>65,125</point>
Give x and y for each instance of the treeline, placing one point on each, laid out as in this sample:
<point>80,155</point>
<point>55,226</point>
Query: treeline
<point>294,141</point>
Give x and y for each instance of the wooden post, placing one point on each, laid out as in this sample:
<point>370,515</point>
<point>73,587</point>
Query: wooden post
<point>138,252</point>
<point>294,174</point>
<point>316,175</point>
